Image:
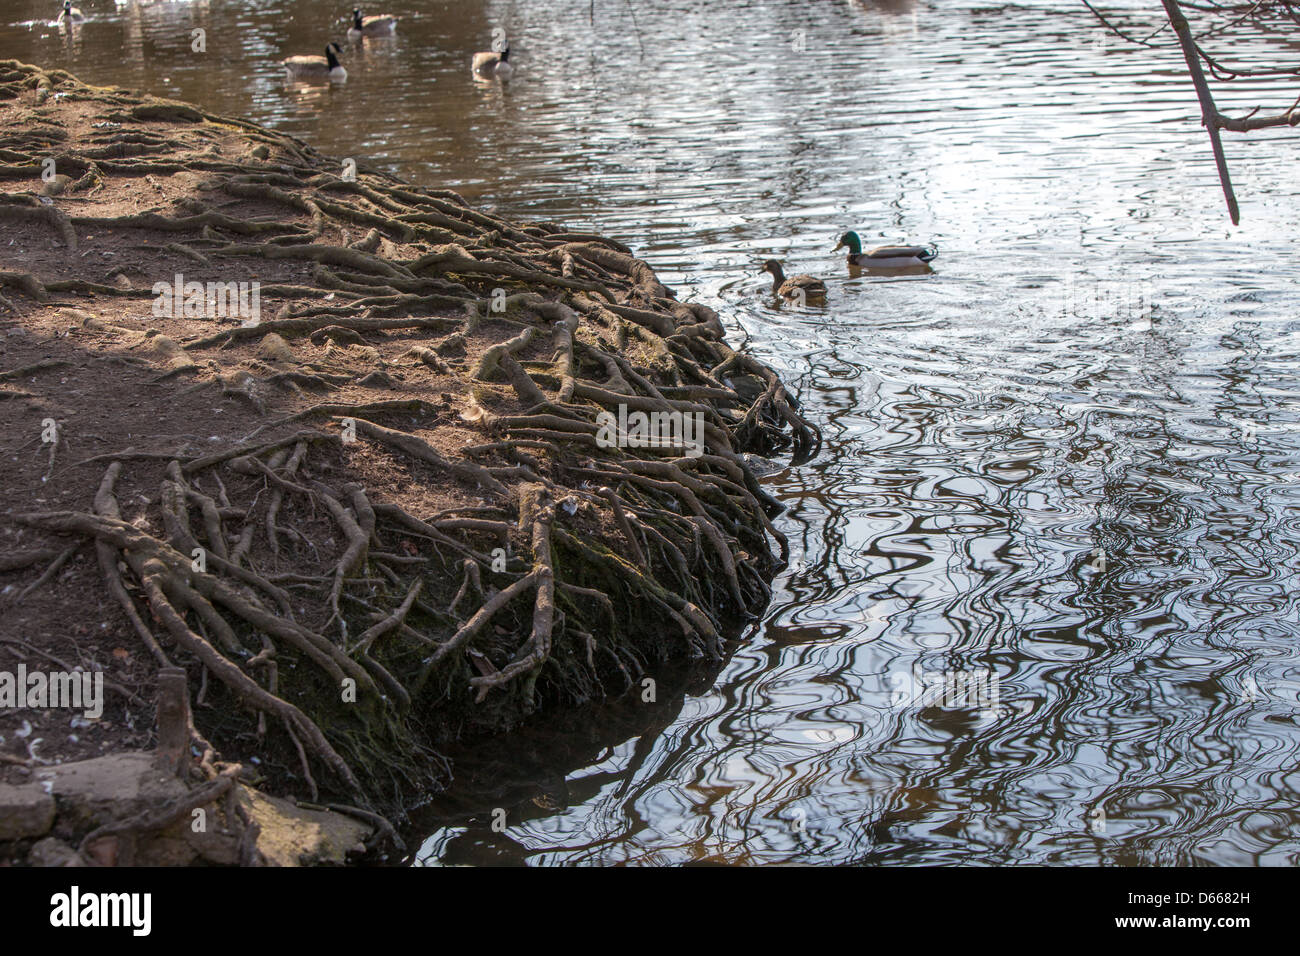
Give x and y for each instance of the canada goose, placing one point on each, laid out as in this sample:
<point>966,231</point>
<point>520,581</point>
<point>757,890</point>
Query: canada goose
<point>325,67</point>
<point>884,257</point>
<point>796,287</point>
<point>377,25</point>
<point>491,63</point>
<point>70,13</point>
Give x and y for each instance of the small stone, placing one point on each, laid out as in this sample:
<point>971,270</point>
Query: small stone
<point>378,379</point>
<point>105,850</point>
<point>275,349</point>
<point>81,317</point>
<point>25,811</point>
<point>56,185</point>
<point>53,852</point>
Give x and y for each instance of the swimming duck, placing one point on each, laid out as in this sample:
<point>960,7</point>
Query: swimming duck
<point>325,67</point>
<point>884,257</point>
<point>376,25</point>
<point>795,287</point>
<point>491,63</point>
<point>70,13</point>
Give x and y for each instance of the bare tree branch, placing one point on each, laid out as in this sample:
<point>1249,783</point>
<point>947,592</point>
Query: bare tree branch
<point>1260,16</point>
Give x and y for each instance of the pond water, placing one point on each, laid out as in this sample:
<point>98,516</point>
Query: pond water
<point>1061,469</point>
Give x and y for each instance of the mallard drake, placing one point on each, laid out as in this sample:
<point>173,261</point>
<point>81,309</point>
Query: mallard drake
<point>490,63</point>
<point>376,25</point>
<point>325,67</point>
<point>795,287</point>
<point>69,13</point>
<point>884,257</point>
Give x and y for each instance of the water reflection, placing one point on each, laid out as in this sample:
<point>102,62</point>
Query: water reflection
<point>1066,461</point>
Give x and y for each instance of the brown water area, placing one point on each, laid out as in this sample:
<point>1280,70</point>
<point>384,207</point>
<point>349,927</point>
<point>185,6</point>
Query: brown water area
<point>1041,606</point>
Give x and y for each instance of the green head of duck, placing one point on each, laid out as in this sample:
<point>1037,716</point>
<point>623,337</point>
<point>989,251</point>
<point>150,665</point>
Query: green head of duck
<point>851,241</point>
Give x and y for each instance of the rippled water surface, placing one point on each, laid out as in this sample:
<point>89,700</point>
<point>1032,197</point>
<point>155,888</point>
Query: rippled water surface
<point>1067,459</point>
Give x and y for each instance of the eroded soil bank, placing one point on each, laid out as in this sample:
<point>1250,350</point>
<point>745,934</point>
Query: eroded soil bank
<point>377,483</point>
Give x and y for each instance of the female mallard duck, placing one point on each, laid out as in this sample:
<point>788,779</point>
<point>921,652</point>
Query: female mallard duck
<point>796,287</point>
<point>376,25</point>
<point>491,63</point>
<point>884,257</point>
<point>325,67</point>
<point>70,14</point>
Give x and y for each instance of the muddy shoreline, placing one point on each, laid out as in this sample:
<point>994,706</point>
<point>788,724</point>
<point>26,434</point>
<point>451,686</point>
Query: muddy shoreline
<point>380,473</point>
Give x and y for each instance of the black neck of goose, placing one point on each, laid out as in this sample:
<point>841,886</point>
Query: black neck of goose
<point>505,54</point>
<point>330,58</point>
<point>356,19</point>
<point>778,277</point>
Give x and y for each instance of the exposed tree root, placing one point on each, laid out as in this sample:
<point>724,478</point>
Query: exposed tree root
<point>320,599</point>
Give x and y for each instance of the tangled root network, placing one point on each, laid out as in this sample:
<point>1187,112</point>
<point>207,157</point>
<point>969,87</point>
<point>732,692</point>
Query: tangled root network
<point>424,533</point>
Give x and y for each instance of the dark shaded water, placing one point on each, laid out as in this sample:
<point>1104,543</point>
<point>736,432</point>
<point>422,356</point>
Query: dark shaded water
<point>1069,458</point>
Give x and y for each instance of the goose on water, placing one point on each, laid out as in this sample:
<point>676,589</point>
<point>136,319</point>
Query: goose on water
<point>490,63</point>
<point>321,68</point>
<point>375,25</point>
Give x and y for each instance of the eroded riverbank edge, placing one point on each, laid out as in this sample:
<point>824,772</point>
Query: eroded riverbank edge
<point>383,517</point>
